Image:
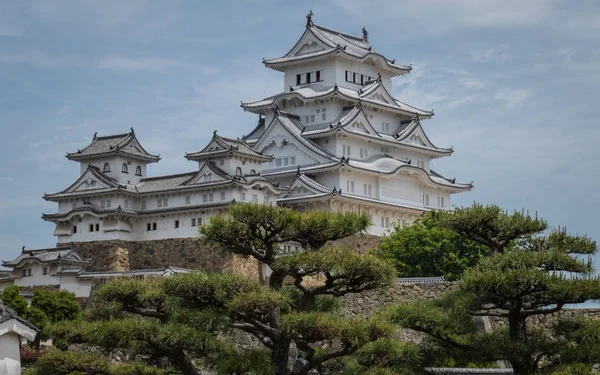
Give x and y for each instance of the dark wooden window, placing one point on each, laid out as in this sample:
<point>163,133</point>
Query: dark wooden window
<point>308,77</point>
<point>318,74</point>
<point>125,168</point>
<point>298,79</point>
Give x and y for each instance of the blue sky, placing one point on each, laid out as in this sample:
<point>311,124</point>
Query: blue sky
<point>515,86</point>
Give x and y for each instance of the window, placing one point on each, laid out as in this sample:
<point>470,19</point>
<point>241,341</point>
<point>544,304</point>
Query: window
<point>143,205</point>
<point>45,271</point>
<point>318,75</point>
<point>91,227</point>
<point>24,273</point>
<point>102,203</point>
<point>199,221</point>
<point>243,196</point>
<point>312,118</point>
<point>208,197</point>
<point>125,168</point>
<point>308,77</point>
<point>254,198</point>
<point>93,183</point>
<point>29,272</point>
<point>367,190</point>
<point>165,202</point>
<point>364,153</point>
<point>176,223</point>
<point>426,199</point>
<point>97,227</point>
<point>441,202</point>
<point>278,162</point>
<point>74,205</point>
<point>238,171</point>
<point>106,168</point>
<point>286,161</point>
<point>306,119</point>
<point>347,74</point>
<point>350,186</point>
<point>298,79</point>
<point>323,115</point>
<point>346,150</point>
<point>222,195</point>
<point>252,171</point>
<point>292,160</point>
<point>385,126</point>
<point>74,229</point>
<point>266,200</point>
<point>160,203</point>
<point>153,226</point>
<point>193,221</point>
<point>188,199</point>
<point>126,203</point>
<point>138,171</point>
<point>108,204</point>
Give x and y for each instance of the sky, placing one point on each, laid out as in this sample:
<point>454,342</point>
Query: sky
<point>515,86</point>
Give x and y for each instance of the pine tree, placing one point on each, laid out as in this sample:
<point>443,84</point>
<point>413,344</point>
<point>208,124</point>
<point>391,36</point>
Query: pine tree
<point>187,316</point>
<point>538,274</point>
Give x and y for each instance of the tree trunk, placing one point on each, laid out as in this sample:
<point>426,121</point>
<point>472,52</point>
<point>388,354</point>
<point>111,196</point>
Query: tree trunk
<point>280,356</point>
<point>522,364</point>
<point>516,324</point>
<point>181,361</point>
<point>276,280</point>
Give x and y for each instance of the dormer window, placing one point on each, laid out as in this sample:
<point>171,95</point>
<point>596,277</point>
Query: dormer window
<point>124,168</point>
<point>252,172</point>
<point>106,168</point>
<point>138,171</point>
<point>238,171</point>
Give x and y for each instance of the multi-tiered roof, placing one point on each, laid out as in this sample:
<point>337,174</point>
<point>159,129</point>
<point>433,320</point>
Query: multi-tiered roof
<point>125,144</point>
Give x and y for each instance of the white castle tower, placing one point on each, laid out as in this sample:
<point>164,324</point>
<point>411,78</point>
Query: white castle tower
<point>334,139</point>
<point>340,140</point>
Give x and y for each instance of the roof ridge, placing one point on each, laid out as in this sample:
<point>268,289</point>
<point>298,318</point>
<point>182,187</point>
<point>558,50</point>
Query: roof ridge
<point>167,176</point>
<point>340,33</point>
<point>123,135</point>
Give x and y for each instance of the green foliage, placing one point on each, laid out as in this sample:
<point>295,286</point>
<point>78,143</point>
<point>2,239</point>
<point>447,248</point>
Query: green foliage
<point>191,315</point>
<point>57,305</point>
<point>12,298</point>
<point>526,276</point>
<point>427,249</point>
<point>490,225</point>
<point>56,362</point>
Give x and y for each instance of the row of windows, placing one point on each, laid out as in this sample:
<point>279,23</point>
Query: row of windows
<point>440,201</point>
<point>285,161</point>
<point>27,272</point>
<point>385,222</point>
<point>309,119</point>
<point>124,169</point>
<point>309,77</point>
<point>367,188</point>
<point>359,79</point>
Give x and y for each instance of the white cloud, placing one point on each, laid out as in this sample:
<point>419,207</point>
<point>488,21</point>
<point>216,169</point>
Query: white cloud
<point>471,83</point>
<point>490,54</point>
<point>513,97</point>
<point>63,110</point>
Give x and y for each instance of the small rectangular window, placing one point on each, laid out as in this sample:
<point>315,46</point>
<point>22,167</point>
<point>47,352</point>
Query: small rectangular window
<point>382,221</point>
<point>199,221</point>
<point>243,196</point>
<point>24,273</point>
<point>306,119</point>
<point>365,189</point>
<point>254,198</point>
<point>91,227</point>
<point>160,203</point>
<point>355,78</point>
<point>102,204</point>
<point>292,160</point>
<point>266,200</point>
<point>126,203</point>
<point>45,271</point>
<point>286,161</point>
<point>149,227</point>
<point>347,76</point>
<point>369,191</point>
<point>74,228</point>
<point>308,77</point>
<point>74,206</point>
<point>193,221</point>
<point>387,222</point>
<point>352,186</point>
<point>153,226</point>
<point>176,223</point>
<point>278,162</point>
<point>222,195</point>
<point>108,203</point>
<point>143,205</point>
<point>362,79</point>
<point>29,272</point>
<point>318,73</point>
<point>97,227</point>
<point>298,79</point>
<point>312,118</point>
<point>165,202</point>
<point>188,199</point>
<point>323,116</point>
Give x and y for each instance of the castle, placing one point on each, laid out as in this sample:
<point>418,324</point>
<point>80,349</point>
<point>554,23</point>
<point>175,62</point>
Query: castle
<point>334,138</point>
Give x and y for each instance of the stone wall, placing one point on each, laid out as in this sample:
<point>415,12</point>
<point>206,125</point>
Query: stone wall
<point>190,253</point>
<point>546,321</point>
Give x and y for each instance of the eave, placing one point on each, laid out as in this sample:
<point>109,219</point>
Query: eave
<point>198,156</point>
<point>77,157</point>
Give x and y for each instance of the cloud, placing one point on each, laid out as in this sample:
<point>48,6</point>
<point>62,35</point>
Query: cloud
<point>471,83</point>
<point>9,179</point>
<point>490,54</point>
<point>63,110</point>
<point>513,97</point>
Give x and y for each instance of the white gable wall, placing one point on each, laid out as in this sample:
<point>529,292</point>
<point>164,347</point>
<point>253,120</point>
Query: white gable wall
<point>10,349</point>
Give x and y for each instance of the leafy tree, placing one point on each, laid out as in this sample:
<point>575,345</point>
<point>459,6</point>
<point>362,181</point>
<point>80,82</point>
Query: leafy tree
<point>429,249</point>
<point>187,316</point>
<point>539,275</point>
<point>11,297</point>
<point>57,305</point>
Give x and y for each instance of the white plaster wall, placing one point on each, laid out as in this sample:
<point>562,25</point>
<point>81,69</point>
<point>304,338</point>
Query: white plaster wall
<point>37,277</point>
<point>360,180</point>
<point>363,68</point>
<point>116,163</point>
<point>328,74</point>
<point>10,354</point>
<point>81,288</point>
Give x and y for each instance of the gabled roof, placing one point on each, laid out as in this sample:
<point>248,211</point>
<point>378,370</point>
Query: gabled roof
<point>331,42</point>
<point>221,146</point>
<point>125,144</point>
<point>56,254</point>
<point>367,95</point>
<point>349,116</point>
<point>292,126</point>
<point>309,183</point>
<point>89,209</point>
<point>27,330</point>
<point>92,173</point>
